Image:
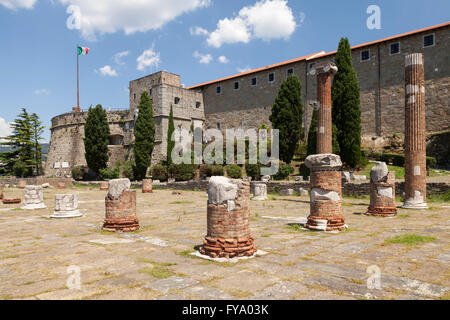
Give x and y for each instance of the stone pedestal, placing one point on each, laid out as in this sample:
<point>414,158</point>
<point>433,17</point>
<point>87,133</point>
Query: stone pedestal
<point>326,193</point>
<point>147,186</point>
<point>382,191</point>
<point>324,72</point>
<point>120,206</point>
<point>104,186</point>
<point>66,206</point>
<point>415,133</point>
<point>61,185</point>
<point>33,198</point>
<point>228,217</point>
<point>259,192</point>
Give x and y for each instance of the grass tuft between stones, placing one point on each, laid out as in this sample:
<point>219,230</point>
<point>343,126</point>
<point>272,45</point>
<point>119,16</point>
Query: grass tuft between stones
<point>409,239</point>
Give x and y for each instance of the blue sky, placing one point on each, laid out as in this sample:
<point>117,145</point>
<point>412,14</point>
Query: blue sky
<point>201,40</point>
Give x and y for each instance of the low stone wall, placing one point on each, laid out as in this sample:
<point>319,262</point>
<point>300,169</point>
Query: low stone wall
<point>54,182</point>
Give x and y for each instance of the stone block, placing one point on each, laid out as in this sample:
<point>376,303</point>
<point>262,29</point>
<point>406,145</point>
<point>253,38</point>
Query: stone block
<point>221,189</point>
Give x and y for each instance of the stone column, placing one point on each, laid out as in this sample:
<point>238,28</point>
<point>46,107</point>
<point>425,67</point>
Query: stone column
<point>324,126</point>
<point>228,219</point>
<point>33,198</point>
<point>147,186</point>
<point>415,133</point>
<point>382,191</point>
<point>66,206</point>
<point>259,191</point>
<point>120,207</point>
<point>326,193</point>
<point>104,186</point>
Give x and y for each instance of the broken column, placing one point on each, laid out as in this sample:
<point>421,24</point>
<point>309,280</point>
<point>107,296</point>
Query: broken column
<point>382,191</point>
<point>326,193</point>
<point>147,186</point>
<point>33,198</point>
<point>66,206</point>
<point>324,74</point>
<point>228,217</point>
<point>120,205</point>
<point>415,133</point>
<point>259,191</point>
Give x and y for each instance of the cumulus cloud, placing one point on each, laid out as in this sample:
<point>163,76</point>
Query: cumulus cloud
<point>42,91</point>
<point>149,58</point>
<point>118,56</point>
<point>107,71</point>
<point>18,4</point>
<point>110,16</point>
<point>245,69</point>
<point>266,20</point>
<point>223,59</point>
<point>5,129</point>
<point>198,31</point>
<point>203,58</point>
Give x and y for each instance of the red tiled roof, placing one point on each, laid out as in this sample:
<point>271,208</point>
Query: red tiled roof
<point>321,54</point>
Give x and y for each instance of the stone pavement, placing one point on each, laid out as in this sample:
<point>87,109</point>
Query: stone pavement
<point>155,262</point>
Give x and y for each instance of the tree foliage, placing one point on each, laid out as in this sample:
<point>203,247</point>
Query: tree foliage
<point>170,142</point>
<point>96,132</point>
<point>312,134</point>
<point>144,136</point>
<point>287,115</point>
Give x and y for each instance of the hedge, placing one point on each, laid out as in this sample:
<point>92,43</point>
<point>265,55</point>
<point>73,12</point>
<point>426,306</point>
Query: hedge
<point>234,171</point>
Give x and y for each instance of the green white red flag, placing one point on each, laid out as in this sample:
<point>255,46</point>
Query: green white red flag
<point>82,51</point>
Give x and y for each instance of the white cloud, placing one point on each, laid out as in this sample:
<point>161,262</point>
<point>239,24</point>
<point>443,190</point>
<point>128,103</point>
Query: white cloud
<point>149,58</point>
<point>42,91</point>
<point>5,129</point>
<point>223,59</point>
<point>110,16</point>
<point>198,31</point>
<point>118,56</point>
<point>203,58</point>
<point>245,69</point>
<point>266,19</point>
<point>107,71</point>
<point>18,4</point>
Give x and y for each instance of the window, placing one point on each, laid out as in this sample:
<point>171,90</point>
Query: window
<point>150,91</point>
<point>271,77</point>
<point>254,81</point>
<point>219,90</point>
<point>236,85</point>
<point>394,48</point>
<point>134,96</point>
<point>365,55</point>
<point>428,40</point>
<point>218,125</point>
<point>290,71</point>
<point>311,65</point>
<point>176,100</point>
<point>198,105</point>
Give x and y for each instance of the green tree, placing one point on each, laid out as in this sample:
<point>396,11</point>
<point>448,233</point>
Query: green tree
<point>170,142</point>
<point>96,132</point>
<point>287,115</point>
<point>37,130</point>
<point>144,136</point>
<point>312,134</point>
<point>346,106</point>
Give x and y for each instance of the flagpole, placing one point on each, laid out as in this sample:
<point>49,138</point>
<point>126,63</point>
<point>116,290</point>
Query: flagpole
<point>78,85</point>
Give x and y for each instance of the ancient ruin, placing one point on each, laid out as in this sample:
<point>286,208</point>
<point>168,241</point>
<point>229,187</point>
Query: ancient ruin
<point>324,126</point>
<point>415,133</point>
<point>326,193</point>
<point>120,206</point>
<point>33,198</point>
<point>22,184</point>
<point>382,191</point>
<point>1,192</point>
<point>228,218</point>
<point>66,206</point>
<point>147,186</point>
<point>259,192</point>
<point>104,186</point>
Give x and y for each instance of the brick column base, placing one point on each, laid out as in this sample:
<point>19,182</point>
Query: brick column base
<point>228,248</point>
<point>104,186</point>
<point>332,223</point>
<point>147,186</point>
<point>121,213</point>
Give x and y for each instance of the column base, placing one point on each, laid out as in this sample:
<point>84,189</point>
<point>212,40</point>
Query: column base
<point>66,214</point>
<point>123,225</point>
<point>228,248</point>
<point>147,191</point>
<point>11,201</point>
<point>34,206</point>
<point>258,198</point>
<point>318,223</point>
<point>415,206</point>
<point>382,211</point>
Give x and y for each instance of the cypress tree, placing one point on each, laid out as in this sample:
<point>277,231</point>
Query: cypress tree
<point>144,136</point>
<point>96,132</point>
<point>312,134</point>
<point>170,142</point>
<point>287,115</point>
<point>36,130</point>
<point>346,106</point>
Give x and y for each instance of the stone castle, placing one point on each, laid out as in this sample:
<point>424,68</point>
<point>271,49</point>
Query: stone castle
<point>245,99</point>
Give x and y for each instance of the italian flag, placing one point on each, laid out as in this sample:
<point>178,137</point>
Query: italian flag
<point>82,51</point>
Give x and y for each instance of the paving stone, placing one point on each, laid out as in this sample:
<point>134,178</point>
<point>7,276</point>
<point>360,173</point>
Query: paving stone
<point>281,291</point>
<point>207,293</point>
<point>165,285</point>
<point>245,281</point>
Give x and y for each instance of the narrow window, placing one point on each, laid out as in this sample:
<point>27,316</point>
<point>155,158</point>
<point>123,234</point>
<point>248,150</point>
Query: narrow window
<point>311,65</point>
<point>176,100</point>
<point>428,40</point>
<point>150,91</point>
<point>236,85</point>
<point>271,77</point>
<point>290,71</point>
<point>395,48</point>
<point>218,89</point>
<point>254,81</point>
<point>198,105</point>
<point>365,55</point>
<point>218,125</point>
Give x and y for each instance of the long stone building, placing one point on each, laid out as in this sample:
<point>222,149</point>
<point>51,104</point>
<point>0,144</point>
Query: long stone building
<point>245,99</point>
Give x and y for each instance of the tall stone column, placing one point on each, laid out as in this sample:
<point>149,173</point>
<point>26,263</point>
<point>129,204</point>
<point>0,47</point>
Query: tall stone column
<point>415,133</point>
<point>324,74</point>
<point>228,217</point>
<point>382,191</point>
<point>326,193</point>
<point>120,207</point>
